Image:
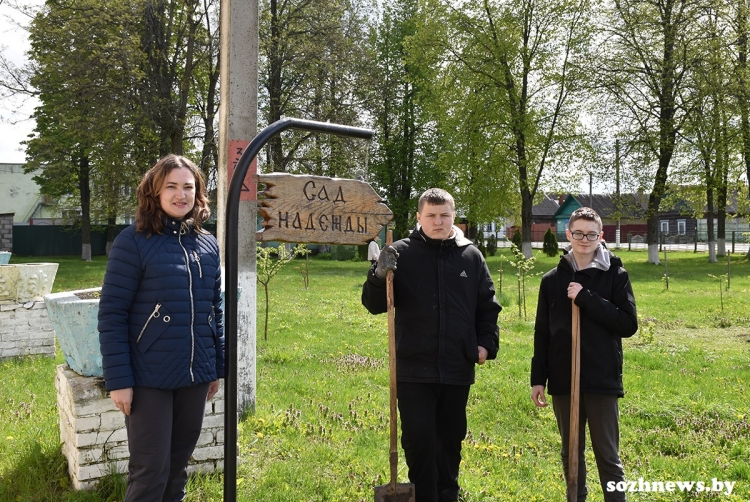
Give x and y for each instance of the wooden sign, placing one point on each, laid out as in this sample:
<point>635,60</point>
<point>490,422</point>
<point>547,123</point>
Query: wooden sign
<point>316,209</point>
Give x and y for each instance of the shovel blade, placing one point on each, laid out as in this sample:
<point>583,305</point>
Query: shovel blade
<point>404,493</point>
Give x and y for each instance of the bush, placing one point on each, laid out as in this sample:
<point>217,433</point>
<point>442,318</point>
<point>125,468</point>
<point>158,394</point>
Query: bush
<point>362,252</point>
<point>343,253</point>
<point>479,242</point>
<point>517,238</point>
<point>324,256</point>
<point>492,245</point>
<point>550,246</point>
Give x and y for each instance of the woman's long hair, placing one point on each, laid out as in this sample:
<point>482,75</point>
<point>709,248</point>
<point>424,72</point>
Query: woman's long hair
<point>149,216</point>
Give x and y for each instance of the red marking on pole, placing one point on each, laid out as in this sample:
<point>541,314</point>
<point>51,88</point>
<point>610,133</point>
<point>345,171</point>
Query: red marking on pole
<point>234,152</point>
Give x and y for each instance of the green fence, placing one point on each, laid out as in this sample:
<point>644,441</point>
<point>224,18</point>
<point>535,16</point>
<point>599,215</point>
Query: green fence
<point>58,240</point>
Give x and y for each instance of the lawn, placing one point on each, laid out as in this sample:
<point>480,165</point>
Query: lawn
<point>319,431</point>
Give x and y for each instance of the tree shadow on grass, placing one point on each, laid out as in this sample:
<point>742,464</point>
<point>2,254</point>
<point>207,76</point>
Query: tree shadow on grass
<point>42,476</point>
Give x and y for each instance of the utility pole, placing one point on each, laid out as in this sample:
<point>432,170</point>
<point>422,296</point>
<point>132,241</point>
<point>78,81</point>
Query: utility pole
<point>618,206</point>
<point>238,125</point>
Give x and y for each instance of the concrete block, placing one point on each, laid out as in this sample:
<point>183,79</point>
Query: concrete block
<point>118,452</point>
<point>87,424</point>
<point>206,438</point>
<point>219,407</point>
<point>211,421</point>
<point>112,420</point>
<point>208,453</point>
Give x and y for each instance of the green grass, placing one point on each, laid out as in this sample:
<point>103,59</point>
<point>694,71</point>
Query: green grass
<point>320,432</point>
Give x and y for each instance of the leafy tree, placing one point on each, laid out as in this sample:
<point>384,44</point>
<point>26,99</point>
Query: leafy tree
<point>642,63</point>
<point>312,53</point>
<point>205,98</point>
<point>85,66</point>
<point>549,246</point>
<point>479,242</point>
<point>742,82</point>
<point>492,245</point>
<point>523,267</point>
<point>508,75</point>
<point>268,267</point>
<point>169,30</point>
<point>517,238</point>
<point>403,161</point>
<point>708,129</point>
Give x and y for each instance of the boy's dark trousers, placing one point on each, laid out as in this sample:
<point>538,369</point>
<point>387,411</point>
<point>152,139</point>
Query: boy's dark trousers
<point>433,425</point>
<point>163,429</point>
<point>602,413</point>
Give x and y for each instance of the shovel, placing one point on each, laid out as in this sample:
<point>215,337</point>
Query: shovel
<point>575,399</point>
<point>393,491</point>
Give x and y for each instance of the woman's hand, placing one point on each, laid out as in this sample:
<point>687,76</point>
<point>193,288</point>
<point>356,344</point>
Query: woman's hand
<point>122,398</point>
<point>213,388</point>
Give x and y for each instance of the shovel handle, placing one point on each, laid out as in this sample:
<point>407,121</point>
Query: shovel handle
<point>575,399</point>
<point>393,457</point>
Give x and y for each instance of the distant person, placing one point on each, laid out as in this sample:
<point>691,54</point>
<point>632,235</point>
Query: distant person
<point>160,328</point>
<point>591,276</point>
<point>446,323</point>
<point>373,251</point>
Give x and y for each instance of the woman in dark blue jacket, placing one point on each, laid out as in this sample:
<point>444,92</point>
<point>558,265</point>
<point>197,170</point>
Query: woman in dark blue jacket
<point>160,328</point>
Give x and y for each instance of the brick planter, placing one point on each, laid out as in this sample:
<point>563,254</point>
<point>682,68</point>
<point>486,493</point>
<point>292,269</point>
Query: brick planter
<point>25,329</point>
<point>93,436</point>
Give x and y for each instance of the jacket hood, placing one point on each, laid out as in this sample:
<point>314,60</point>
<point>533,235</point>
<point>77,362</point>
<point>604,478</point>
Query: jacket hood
<point>602,258</point>
<point>457,236</point>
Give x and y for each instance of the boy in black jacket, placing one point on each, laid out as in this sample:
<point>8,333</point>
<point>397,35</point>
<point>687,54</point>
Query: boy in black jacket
<point>592,277</point>
<point>446,323</point>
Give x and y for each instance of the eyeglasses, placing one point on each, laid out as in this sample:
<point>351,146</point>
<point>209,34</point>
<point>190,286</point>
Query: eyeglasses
<point>580,235</point>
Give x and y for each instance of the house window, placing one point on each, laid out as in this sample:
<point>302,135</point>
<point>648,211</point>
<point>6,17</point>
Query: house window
<point>681,227</point>
<point>664,227</point>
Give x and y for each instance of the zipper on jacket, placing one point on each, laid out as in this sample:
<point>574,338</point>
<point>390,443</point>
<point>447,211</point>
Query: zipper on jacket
<point>198,262</point>
<point>192,305</point>
<point>153,315</point>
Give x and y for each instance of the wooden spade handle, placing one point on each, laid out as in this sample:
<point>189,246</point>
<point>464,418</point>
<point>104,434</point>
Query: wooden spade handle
<point>392,368</point>
<point>575,399</point>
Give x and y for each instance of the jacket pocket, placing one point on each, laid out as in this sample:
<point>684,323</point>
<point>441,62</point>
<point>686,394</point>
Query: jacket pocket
<point>155,325</point>
<point>470,345</point>
<point>212,325</point>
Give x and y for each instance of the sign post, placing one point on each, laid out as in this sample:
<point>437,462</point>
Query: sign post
<point>341,210</point>
<point>316,209</point>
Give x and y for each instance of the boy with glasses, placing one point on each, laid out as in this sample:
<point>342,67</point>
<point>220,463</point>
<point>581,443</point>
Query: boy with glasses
<point>594,278</point>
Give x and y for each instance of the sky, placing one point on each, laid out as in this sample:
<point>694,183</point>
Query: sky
<point>15,121</point>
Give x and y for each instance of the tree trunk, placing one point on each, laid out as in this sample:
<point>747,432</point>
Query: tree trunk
<point>111,227</point>
<point>178,131</point>
<point>527,203</point>
<point>710,224</point>
<point>85,190</point>
<point>742,79</point>
<point>274,89</point>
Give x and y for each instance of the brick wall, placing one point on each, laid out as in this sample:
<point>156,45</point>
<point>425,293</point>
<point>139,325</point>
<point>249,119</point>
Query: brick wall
<point>25,329</point>
<point>6,232</point>
<point>93,434</point>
